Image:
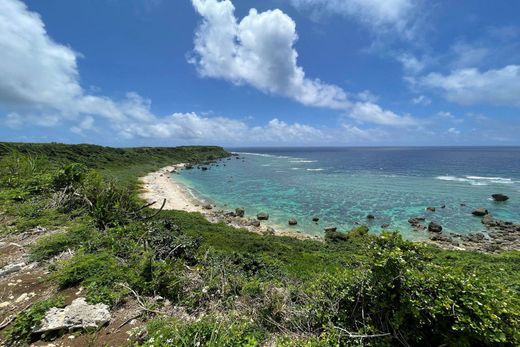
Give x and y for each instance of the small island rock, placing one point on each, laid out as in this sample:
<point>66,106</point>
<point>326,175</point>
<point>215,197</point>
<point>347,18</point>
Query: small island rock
<point>479,212</point>
<point>293,221</point>
<point>434,227</point>
<point>500,197</point>
<point>240,212</point>
<point>262,216</point>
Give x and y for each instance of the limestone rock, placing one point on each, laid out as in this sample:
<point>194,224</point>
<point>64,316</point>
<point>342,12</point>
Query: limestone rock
<point>78,315</point>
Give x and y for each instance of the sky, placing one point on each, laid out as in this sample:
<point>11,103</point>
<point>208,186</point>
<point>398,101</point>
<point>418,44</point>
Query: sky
<point>260,73</point>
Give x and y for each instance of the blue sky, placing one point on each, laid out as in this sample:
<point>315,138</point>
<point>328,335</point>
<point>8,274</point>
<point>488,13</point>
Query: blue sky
<point>256,73</point>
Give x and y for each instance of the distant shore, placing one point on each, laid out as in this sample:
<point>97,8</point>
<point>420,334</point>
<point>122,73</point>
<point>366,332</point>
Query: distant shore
<point>161,185</point>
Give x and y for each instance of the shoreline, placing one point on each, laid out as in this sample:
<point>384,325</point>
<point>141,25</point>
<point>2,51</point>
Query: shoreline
<point>161,184</point>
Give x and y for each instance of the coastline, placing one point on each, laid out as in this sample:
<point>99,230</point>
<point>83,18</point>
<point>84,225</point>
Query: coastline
<point>161,185</point>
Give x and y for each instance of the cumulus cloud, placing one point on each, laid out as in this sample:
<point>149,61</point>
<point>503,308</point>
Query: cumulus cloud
<point>373,113</point>
<point>376,14</point>
<point>40,77</point>
<point>193,127</point>
<point>471,86</point>
<point>259,50</point>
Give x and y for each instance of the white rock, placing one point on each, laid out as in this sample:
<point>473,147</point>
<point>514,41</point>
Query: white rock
<point>5,304</point>
<point>21,298</point>
<point>10,268</point>
<point>77,315</point>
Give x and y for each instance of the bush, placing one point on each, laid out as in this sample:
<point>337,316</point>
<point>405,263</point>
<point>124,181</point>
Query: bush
<point>99,273</point>
<point>54,244</point>
<point>400,293</point>
<point>208,331</point>
<point>69,176</point>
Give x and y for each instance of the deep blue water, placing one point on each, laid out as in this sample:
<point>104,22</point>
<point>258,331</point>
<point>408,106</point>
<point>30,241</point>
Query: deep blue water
<point>343,185</point>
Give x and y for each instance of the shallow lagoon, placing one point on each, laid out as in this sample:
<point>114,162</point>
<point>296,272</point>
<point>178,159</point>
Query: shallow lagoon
<point>343,185</point>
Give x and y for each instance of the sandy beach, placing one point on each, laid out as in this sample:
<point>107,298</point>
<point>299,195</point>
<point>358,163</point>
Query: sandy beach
<point>161,184</point>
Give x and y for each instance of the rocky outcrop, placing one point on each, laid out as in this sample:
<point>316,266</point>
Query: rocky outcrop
<point>331,228</point>
<point>370,216</point>
<point>500,197</point>
<point>240,212</point>
<point>78,315</point>
<point>262,216</point>
<point>207,206</point>
<point>293,221</point>
<point>479,212</point>
<point>385,225</point>
<point>430,209</point>
<point>434,227</point>
<point>315,219</point>
<point>414,221</point>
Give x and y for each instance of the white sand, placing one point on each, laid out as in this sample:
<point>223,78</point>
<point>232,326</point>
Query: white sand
<point>161,184</point>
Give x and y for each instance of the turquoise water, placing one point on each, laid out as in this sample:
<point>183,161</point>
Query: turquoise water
<point>343,185</point>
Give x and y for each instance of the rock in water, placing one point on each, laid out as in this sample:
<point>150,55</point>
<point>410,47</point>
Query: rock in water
<point>78,315</point>
<point>262,216</point>
<point>240,212</point>
<point>315,219</point>
<point>500,197</point>
<point>370,216</point>
<point>207,206</point>
<point>479,212</point>
<point>434,227</point>
<point>331,228</point>
<point>293,221</point>
<point>488,220</point>
<point>430,209</point>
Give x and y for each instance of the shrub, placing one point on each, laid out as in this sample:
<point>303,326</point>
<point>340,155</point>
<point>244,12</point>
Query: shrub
<point>54,244</point>
<point>209,331</point>
<point>99,273</point>
<point>70,175</point>
<point>400,293</point>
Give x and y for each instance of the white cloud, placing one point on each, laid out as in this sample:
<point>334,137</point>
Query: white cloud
<point>422,100</point>
<point>468,55</point>
<point>471,86</point>
<point>373,113</point>
<point>410,63</point>
<point>376,14</point>
<point>449,117</point>
<point>40,78</point>
<point>257,51</point>
<point>454,131</point>
<point>196,128</point>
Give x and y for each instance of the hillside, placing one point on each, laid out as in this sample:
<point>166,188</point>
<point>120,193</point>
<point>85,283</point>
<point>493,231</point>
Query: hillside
<point>70,215</point>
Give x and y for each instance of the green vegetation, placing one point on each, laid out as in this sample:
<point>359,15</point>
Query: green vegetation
<point>21,328</point>
<point>239,288</point>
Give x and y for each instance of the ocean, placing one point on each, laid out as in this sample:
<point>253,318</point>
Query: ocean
<point>343,185</point>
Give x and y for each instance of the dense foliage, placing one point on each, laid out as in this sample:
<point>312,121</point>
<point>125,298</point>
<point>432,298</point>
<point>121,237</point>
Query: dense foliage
<point>238,288</point>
